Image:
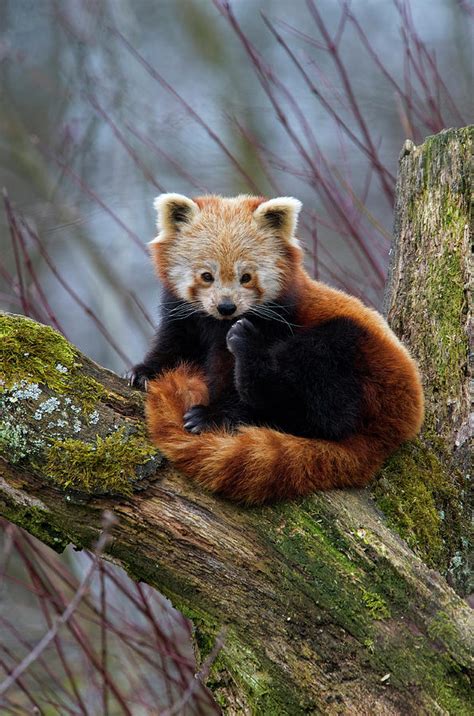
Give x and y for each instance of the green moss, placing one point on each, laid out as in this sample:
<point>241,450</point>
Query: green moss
<point>205,633</point>
<point>389,583</point>
<point>237,663</point>
<point>28,350</point>
<point>107,465</point>
<point>437,302</point>
<point>248,673</point>
<point>358,595</point>
<point>376,605</point>
<point>420,498</point>
<point>36,521</point>
<point>312,521</point>
<point>441,628</point>
<point>446,298</point>
<point>336,578</point>
<point>205,629</point>
<point>428,667</point>
<point>35,353</point>
<point>240,666</point>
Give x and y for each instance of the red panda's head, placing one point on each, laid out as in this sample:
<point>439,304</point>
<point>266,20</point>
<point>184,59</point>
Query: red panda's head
<point>217,251</point>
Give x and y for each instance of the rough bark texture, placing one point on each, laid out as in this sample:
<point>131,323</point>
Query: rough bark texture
<point>327,609</point>
<point>428,303</point>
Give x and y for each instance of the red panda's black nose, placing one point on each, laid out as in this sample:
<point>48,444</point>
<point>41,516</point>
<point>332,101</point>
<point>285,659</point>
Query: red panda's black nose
<point>226,308</point>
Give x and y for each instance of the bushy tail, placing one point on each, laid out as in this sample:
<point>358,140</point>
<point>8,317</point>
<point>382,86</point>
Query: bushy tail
<point>255,464</point>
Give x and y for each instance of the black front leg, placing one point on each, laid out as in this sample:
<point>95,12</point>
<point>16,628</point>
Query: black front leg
<point>255,367</point>
<point>155,361</point>
<point>225,409</point>
<point>175,342</point>
<point>307,385</point>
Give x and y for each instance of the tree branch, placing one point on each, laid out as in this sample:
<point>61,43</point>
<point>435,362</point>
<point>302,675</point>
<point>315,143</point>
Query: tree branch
<point>326,608</point>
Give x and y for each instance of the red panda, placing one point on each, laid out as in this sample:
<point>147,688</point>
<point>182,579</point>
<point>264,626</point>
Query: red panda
<point>263,384</point>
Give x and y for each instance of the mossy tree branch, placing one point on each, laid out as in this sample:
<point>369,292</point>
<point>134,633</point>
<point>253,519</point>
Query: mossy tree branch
<point>327,609</point>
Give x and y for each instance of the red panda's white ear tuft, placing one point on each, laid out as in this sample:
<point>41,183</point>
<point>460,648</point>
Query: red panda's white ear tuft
<point>281,216</point>
<point>173,212</point>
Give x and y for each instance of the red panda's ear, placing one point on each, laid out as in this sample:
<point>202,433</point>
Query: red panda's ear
<point>279,215</point>
<point>173,212</point>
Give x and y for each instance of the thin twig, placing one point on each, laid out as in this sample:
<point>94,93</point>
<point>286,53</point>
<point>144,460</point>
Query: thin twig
<point>109,521</point>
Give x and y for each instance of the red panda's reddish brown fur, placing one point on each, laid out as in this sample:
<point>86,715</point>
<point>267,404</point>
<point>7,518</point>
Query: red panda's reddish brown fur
<point>259,464</point>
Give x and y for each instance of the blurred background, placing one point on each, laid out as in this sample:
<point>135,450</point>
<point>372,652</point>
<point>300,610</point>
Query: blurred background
<point>106,104</point>
<point>123,649</point>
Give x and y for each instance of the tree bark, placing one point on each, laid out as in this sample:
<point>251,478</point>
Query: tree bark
<point>327,609</point>
<point>428,303</point>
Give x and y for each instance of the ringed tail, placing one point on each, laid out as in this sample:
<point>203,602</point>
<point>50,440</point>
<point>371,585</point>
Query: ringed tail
<point>255,464</point>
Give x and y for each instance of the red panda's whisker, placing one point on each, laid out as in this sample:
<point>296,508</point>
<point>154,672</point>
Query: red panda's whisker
<point>183,307</point>
<point>272,315</point>
<point>181,318</point>
<point>179,315</point>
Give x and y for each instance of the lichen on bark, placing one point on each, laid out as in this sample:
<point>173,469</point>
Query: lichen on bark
<point>32,354</point>
<point>56,417</point>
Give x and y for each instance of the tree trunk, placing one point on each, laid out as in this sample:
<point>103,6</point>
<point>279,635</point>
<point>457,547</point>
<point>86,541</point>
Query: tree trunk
<point>428,303</point>
<point>327,610</point>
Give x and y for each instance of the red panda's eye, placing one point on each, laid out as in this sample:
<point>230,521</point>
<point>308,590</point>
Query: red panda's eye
<point>207,277</point>
<point>245,278</point>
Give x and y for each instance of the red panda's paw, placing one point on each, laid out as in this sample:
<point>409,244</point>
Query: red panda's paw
<point>202,418</point>
<point>139,376</point>
<point>243,335</point>
<point>197,419</point>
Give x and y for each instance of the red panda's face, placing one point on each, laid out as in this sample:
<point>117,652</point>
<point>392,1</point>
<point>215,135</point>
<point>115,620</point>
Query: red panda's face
<point>226,255</point>
<point>226,288</point>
